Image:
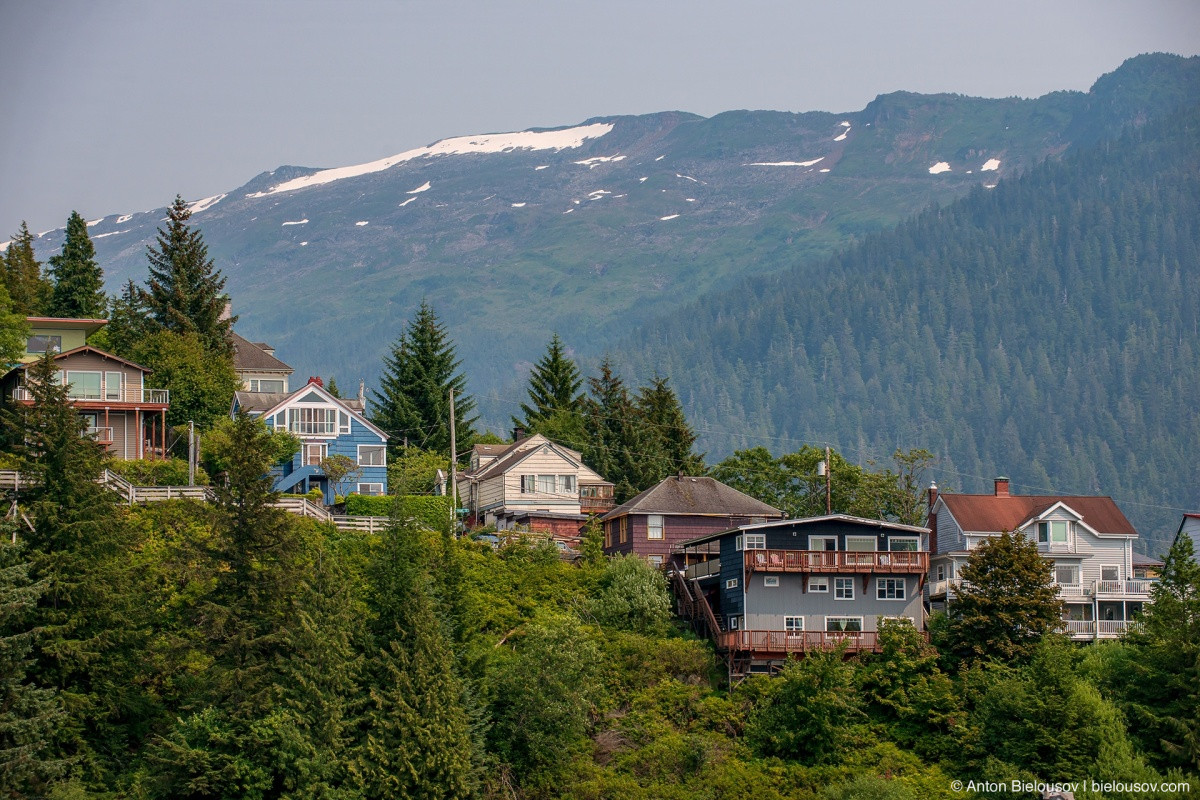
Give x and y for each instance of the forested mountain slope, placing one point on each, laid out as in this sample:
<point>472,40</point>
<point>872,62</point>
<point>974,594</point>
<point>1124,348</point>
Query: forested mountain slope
<point>1047,329</point>
<point>595,229</point>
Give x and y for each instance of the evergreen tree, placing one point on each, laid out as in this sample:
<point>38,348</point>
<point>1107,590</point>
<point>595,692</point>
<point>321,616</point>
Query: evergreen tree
<point>415,739</point>
<point>78,281</point>
<point>30,715</point>
<point>667,438</point>
<point>1160,690</point>
<point>28,288</point>
<point>332,387</point>
<point>14,331</point>
<point>127,326</point>
<point>612,434</point>
<point>184,293</point>
<point>1007,602</point>
<point>553,387</point>
<point>414,402</point>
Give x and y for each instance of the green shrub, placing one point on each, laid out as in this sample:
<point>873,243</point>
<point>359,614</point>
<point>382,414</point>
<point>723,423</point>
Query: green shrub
<point>430,512</point>
<point>168,472</point>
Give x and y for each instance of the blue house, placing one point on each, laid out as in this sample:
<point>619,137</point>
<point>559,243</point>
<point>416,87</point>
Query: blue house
<point>326,426</point>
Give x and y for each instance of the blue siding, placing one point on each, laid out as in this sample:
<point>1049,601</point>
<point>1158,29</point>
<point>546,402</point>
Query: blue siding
<point>345,444</point>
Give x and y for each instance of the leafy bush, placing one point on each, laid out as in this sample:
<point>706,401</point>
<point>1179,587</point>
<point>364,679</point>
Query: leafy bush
<point>430,512</point>
<point>634,596</point>
<point>169,472</point>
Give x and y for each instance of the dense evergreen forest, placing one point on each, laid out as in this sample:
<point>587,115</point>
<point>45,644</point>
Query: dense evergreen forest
<point>1047,329</point>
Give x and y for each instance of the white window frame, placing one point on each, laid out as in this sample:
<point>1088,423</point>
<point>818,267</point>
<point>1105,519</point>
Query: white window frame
<point>874,540</point>
<point>544,481</point>
<point>654,526</point>
<point>818,584</point>
<point>814,539</point>
<point>840,585</point>
<point>891,589</point>
<point>913,540</point>
<point>343,422</point>
<point>567,484</point>
<point>735,623</point>
<point>885,617</point>
<point>793,626</point>
<point>859,620</point>
<point>381,447</point>
<point>109,392</point>
<point>528,484</point>
<point>732,583</point>
<point>1046,530</point>
<point>771,581</point>
<point>323,450</point>
<point>378,490</point>
<point>755,541</point>
<point>256,385</point>
<point>737,542</point>
<point>940,572</point>
<point>70,374</point>
<point>656,561</point>
<point>1117,567</point>
<point>1073,568</point>
<point>313,420</point>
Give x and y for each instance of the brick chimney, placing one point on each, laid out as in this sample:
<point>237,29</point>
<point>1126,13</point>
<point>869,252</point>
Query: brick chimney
<point>317,381</point>
<point>518,433</point>
<point>1002,487</point>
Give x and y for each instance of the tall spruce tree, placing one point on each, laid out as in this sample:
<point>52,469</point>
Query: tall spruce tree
<point>78,281</point>
<point>668,438</point>
<point>184,293</point>
<point>28,288</point>
<point>414,401</point>
<point>553,387</point>
<point>613,441</point>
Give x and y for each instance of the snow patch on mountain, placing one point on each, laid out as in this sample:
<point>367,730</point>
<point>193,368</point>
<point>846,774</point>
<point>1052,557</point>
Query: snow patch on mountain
<point>669,216</point>
<point>95,222</point>
<point>939,168</point>
<point>459,145</point>
<point>205,204</point>
<point>297,222</point>
<point>593,162</point>
<point>425,187</point>
<point>124,218</point>
<point>785,163</point>
<point>686,177</point>
<point>111,233</point>
<point>361,223</point>
<point>990,164</point>
<point>518,205</point>
<point>406,202</point>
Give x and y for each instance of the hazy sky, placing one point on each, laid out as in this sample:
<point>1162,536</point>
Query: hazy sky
<point>116,106</point>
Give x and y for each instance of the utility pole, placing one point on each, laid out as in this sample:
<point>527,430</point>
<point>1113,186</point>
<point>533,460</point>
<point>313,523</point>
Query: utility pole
<point>453,471</point>
<point>828,493</point>
<point>191,453</point>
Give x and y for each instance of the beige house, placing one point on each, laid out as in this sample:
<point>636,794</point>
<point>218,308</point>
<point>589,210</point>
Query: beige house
<point>532,482</point>
<point>110,393</point>
<point>258,368</point>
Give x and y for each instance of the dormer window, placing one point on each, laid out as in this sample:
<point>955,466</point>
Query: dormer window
<point>1053,531</point>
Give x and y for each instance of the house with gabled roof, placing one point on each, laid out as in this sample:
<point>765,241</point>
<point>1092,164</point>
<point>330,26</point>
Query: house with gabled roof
<point>1087,538</point>
<point>326,426</point>
<point>108,392</point>
<point>534,483</point>
<point>677,509</point>
<point>257,366</point>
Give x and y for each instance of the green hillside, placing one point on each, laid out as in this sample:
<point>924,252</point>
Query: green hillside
<point>1047,329</point>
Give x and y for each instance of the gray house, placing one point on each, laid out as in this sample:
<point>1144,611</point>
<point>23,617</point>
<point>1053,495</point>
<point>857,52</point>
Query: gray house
<point>1086,538</point>
<point>776,588</point>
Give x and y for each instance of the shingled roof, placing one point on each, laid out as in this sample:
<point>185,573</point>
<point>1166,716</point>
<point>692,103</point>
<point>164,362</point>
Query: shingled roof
<point>251,356</point>
<point>989,513</point>
<point>684,494</point>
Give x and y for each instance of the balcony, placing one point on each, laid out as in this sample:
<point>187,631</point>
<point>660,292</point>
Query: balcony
<point>895,562</point>
<point>1088,629</point>
<point>1127,590</point>
<point>777,644</point>
<point>125,395</point>
<point>595,499</point>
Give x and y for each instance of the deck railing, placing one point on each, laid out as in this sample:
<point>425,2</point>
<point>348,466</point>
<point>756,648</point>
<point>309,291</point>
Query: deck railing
<point>892,561</point>
<point>1097,628</point>
<point>126,394</point>
<point>100,434</point>
<point>774,642</point>
<point>1139,588</point>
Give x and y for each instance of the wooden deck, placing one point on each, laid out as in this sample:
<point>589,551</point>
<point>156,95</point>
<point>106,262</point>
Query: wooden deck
<point>896,562</point>
<point>771,645</point>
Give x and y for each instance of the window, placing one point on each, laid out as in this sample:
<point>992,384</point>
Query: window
<point>83,385</point>
<point>308,421</point>
<point>940,572</point>
<point>732,583</point>
<point>822,543</point>
<point>1066,575</point>
<point>545,484</point>
<point>861,543</point>
<point>843,588</point>
<point>1052,532</point>
<point>370,488</point>
<point>655,561</point>
<point>793,625</point>
<point>43,343</point>
<point>343,422</point>
<point>112,385</point>
<point>259,385</point>
<point>889,588</point>
<point>816,584</point>
<point>735,623</point>
<point>528,484</point>
<point>1110,573</point>
<point>756,541</point>
<point>843,624</point>
<point>654,526</point>
<point>315,453</point>
<point>372,455</point>
<point>566,484</point>
<point>608,533</point>
<point>771,581</point>
<point>905,544</point>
